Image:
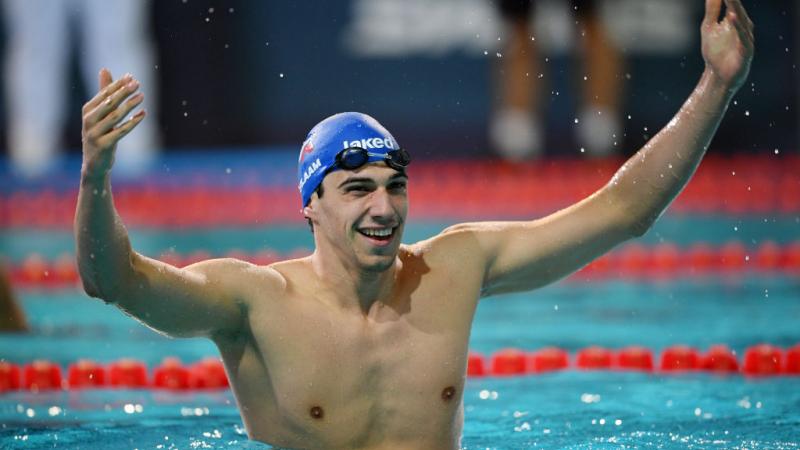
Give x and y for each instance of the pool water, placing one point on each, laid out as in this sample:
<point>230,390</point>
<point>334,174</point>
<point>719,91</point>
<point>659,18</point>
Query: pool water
<point>568,409</point>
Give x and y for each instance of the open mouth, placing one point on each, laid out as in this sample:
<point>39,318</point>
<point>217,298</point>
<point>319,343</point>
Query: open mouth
<point>379,235</point>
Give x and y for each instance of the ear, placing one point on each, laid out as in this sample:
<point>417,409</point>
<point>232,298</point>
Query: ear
<point>310,211</point>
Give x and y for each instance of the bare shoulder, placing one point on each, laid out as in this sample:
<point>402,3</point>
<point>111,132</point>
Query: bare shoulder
<point>458,244</point>
<point>243,279</point>
<point>235,270</point>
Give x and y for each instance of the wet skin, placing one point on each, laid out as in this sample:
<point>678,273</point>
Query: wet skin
<point>314,369</point>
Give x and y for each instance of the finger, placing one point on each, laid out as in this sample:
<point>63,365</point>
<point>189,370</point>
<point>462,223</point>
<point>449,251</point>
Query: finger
<point>111,103</point>
<point>113,118</point>
<point>105,78</point>
<point>105,92</point>
<point>745,36</point>
<point>118,133</point>
<point>738,8</point>
<point>713,8</point>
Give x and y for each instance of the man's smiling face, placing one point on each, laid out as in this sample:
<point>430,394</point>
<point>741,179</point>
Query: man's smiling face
<point>361,214</point>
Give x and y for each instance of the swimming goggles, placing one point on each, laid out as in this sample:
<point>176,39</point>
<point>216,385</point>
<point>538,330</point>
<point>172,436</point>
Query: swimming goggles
<point>354,157</point>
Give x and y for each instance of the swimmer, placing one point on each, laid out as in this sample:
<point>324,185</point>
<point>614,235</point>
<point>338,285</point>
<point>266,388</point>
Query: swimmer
<point>363,344</point>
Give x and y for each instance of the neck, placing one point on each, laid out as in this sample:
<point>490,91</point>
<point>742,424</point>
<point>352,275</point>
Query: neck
<point>351,287</point>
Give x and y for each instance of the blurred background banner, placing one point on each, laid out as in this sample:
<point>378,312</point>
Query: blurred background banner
<point>261,74</point>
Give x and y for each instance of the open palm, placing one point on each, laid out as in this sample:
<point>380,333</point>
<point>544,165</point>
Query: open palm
<point>728,43</point>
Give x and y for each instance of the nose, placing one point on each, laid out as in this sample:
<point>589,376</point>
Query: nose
<point>381,208</point>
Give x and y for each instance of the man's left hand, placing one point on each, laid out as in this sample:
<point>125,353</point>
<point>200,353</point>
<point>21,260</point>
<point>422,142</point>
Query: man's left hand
<point>728,43</point>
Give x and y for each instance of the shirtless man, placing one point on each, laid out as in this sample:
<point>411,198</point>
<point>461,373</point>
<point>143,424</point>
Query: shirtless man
<point>363,344</point>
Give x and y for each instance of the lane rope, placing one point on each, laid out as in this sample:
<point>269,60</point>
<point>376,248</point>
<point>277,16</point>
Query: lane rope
<point>633,261</point>
<point>762,360</point>
<point>744,184</point>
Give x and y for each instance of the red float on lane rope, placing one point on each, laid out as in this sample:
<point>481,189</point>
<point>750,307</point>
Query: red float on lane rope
<point>679,358</point>
<point>547,359</point>
<point>635,358</point>
<point>85,373</point>
<point>720,359</point>
<point>763,360</point>
<point>9,377</point>
<point>208,373</point>
<point>171,374</point>
<point>128,373</point>
<point>475,366</point>
<point>41,375</point>
<point>793,361</point>
<point>593,358</point>
<point>508,361</point>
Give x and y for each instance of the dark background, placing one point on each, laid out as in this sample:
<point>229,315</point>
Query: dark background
<point>227,78</point>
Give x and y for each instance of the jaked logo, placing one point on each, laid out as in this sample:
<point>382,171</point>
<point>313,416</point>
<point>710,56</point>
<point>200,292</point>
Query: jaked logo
<point>369,143</point>
<point>310,171</point>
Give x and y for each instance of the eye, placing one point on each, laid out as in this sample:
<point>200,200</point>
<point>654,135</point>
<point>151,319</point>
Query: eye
<point>357,188</point>
<point>397,186</point>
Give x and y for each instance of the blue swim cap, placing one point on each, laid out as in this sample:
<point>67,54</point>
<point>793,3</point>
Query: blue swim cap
<point>331,136</point>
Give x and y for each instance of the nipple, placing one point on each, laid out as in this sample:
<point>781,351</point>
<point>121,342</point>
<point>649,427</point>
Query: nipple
<point>316,412</point>
<point>448,393</point>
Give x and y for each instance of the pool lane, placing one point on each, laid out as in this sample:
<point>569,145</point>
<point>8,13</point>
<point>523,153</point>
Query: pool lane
<point>682,230</point>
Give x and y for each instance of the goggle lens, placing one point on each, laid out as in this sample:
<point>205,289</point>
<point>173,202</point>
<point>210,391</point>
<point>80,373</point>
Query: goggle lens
<point>355,157</point>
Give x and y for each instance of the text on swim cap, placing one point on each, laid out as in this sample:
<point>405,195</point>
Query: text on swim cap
<point>369,143</point>
<point>310,171</point>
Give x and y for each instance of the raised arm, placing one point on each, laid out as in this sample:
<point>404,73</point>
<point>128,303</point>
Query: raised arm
<point>526,255</point>
<point>202,299</point>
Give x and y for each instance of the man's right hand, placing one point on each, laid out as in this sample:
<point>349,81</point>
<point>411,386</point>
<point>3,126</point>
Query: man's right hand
<point>101,117</point>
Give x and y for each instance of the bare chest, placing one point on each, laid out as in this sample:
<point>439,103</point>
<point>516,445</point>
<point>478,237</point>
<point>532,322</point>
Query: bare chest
<point>338,380</point>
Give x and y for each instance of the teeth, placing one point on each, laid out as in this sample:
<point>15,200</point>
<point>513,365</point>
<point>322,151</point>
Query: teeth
<point>378,233</point>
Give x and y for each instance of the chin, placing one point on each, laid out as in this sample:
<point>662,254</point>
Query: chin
<point>378,263</point>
